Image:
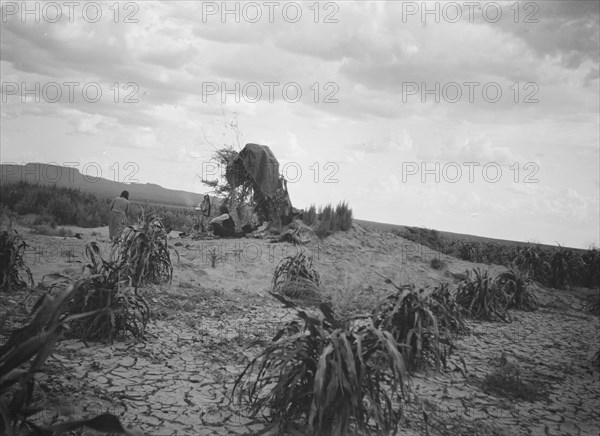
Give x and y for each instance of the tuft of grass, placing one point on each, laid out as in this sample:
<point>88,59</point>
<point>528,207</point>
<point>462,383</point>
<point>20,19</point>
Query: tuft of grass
<point>14,274</point>
<point>482,298</point>
<point>329,376</point>
<point>325,223</point>
<point>213,256</point>
<point>507,381</point>
<point>310,215</point>
<point>331,220</point>
<point>342,219</point>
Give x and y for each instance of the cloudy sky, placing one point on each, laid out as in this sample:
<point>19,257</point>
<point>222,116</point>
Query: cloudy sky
<point>480,119</point>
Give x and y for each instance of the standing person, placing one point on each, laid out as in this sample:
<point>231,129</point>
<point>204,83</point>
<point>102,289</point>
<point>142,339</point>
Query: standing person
<point>223,225</point>
<point>117,220</point>
<point>205,211</point>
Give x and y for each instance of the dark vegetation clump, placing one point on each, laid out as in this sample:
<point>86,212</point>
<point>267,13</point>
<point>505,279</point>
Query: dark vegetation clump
<point>56,206</point>
<point>427,237</point>
<point>437,263</point>
<point>65,206</point>
<point>14,273</point>
<point>310,215</point>
<point>331,220</point>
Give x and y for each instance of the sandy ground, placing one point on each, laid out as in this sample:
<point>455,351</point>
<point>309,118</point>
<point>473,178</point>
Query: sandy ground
<point>178,382</point>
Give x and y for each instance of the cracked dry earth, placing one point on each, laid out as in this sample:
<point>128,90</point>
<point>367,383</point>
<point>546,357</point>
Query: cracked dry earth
<point>179,380</point>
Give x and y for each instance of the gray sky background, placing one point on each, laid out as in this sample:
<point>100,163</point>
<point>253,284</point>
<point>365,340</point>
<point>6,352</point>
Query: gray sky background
<point>366,123</point>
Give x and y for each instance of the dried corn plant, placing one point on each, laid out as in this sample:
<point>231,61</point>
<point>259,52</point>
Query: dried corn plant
<point>327,377</point>
<point>482,298</point>
<point>515,284</point>
<point>422,321</point>
<point>109,287</point>
<point>297,277</point>
<point>144,253</point>
<point>23,356</point>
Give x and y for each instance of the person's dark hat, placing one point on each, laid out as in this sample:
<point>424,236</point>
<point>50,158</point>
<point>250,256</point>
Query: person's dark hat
<point>125,194</point>
<point>223,209</point>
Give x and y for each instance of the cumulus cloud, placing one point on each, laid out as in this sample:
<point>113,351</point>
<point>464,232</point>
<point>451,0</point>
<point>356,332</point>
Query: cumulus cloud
<point>372,126</point>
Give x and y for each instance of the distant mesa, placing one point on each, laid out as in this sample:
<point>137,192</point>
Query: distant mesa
<point>87,179</point>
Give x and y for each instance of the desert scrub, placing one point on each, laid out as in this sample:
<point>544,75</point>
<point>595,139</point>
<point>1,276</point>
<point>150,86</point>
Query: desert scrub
<point>427,237</point>
<point>331,220</point>
<point>422,321</point>
<point>325,221</point>
<point>342,219</point>
<point>326,376</point>
<point>15,274</point>
<point>297,277</point>
<point>310,215</point>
